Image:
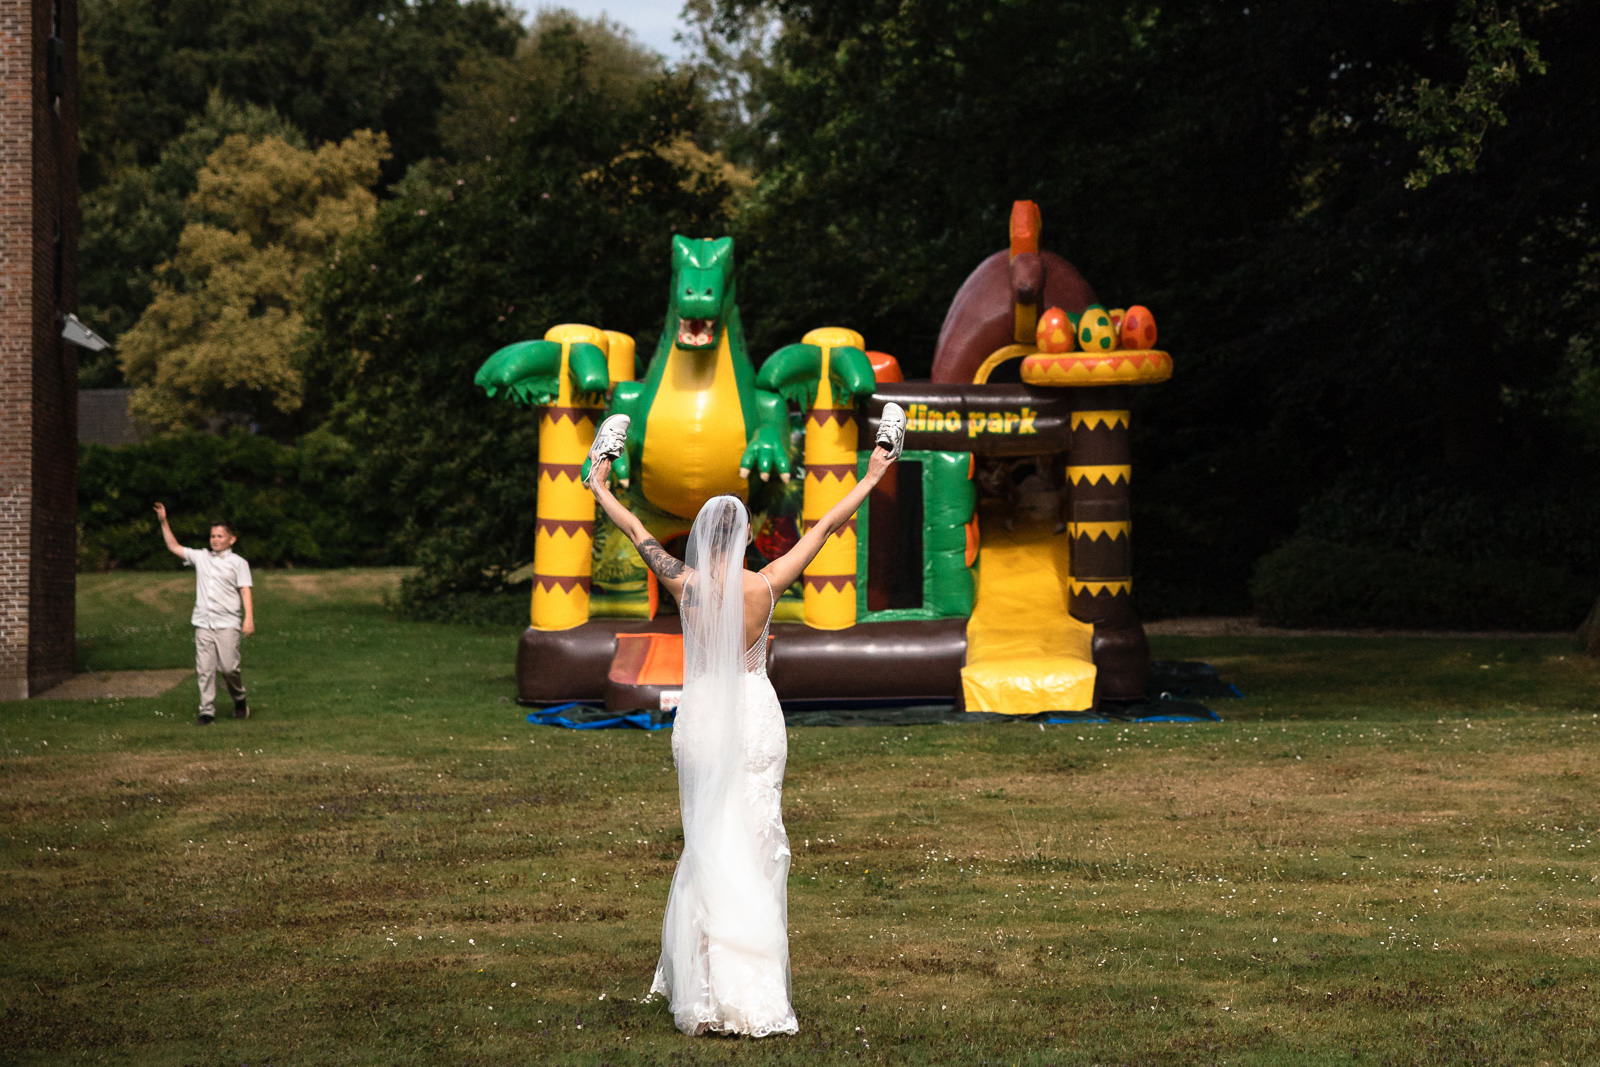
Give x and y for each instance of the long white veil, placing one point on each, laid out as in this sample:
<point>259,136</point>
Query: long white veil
<point>718,892</point>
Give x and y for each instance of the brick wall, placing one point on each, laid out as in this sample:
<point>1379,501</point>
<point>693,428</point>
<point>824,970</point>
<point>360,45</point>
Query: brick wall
<point>38,369</point>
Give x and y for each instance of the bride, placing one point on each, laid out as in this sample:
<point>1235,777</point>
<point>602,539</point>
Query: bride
<point>724,965</point>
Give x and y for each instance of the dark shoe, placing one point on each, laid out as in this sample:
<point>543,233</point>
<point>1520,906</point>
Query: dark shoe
<point>241,710</point>
<point>204,720</point>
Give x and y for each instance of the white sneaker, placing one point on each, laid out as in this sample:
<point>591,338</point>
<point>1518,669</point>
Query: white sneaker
<point>610,439</point>
<point>892,429</point>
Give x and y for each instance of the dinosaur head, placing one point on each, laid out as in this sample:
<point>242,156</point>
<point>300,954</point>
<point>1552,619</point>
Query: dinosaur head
<point>702,288</point>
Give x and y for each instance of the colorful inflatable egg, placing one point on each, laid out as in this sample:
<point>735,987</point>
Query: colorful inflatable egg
<point>1054,333</point>
<point>1138,328</point>
<point>1095,331</point>
<point>1116,319</point>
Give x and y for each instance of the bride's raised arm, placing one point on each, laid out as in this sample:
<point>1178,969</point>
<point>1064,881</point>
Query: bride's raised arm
<point>669,569</point>
<point>786,569</point>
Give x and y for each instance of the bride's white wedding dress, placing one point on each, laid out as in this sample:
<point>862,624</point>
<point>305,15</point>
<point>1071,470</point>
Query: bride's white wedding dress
<point>724,964</point>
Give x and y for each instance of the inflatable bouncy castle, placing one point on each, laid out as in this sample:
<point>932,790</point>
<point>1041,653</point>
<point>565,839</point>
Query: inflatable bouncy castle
<point>991,568</point>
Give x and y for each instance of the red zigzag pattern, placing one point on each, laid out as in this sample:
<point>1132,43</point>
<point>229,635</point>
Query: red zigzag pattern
<point>547,582</point>
<point>573,415</point>
<point>824,471</point>
<point>570,471</point>
<point>823,416</point>
<point>570,527</point>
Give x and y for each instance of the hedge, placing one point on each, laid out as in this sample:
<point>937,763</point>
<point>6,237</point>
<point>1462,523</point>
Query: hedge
<point>1310,581</point>
<point>1540,513</point>
<point>288,503</point>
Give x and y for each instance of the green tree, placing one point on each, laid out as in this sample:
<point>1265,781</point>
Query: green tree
<point>1490,52</point>
<point>1242,169</point>
<point>564,215</point>
<point>330,67</point>
<point>131,223</point>
<point>224,332</point>
<point>490,93</point>
<point>893,138</point>
<point>731,58</point>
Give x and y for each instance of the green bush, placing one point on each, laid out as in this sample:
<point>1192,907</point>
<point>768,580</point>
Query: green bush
<point>1545,514</point>
<point>1310,581</point>
<point>288,503</point>
<point>451,585</point>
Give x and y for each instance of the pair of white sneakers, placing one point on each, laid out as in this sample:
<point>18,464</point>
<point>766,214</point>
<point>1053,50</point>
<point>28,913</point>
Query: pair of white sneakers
<point>612,436</point>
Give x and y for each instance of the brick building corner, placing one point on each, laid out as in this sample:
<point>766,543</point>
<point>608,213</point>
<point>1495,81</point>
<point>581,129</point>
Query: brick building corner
<point>38,367</point>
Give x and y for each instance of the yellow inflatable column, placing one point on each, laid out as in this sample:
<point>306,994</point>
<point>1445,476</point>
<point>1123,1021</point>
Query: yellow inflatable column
<point>830,459</point>
<point>619,358</point>
<point>563,540</point>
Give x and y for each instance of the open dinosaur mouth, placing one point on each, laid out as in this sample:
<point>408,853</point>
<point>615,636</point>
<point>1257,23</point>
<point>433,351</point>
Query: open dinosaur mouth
<point>696,333</point>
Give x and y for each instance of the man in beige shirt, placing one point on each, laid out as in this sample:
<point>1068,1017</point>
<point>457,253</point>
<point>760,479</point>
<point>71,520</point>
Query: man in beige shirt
<point>224,612</point>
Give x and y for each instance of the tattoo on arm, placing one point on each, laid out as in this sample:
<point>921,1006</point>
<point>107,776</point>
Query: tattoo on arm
<point>659,559</point>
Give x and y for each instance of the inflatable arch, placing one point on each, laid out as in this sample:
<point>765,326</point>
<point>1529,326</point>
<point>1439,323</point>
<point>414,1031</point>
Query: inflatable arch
<point>944,588</point>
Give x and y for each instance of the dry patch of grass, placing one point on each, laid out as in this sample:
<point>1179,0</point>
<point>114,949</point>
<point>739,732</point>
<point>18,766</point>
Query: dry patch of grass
<point>372,584</point>
<point>108,685</point>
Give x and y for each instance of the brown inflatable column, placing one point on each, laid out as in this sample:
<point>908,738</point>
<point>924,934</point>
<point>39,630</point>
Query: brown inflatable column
<point>1099,472</point>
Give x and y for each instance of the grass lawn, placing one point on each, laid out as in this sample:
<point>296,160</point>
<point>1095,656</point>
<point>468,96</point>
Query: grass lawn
<point>1386,853</point>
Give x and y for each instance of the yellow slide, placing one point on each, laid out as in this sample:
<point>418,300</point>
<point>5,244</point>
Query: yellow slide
<point>1025,652</point>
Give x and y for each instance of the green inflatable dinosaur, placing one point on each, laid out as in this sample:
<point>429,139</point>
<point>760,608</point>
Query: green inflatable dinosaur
<point>701,415</point>
<point>698,414</point>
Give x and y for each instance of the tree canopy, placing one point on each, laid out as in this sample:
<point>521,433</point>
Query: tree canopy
<point>1366,231</point>
<point>330,67</point>
<point>131,223</point>
<point>562,214</point>
<point>225,330</point>
<point>1344,218</point>
<point>164,81</point>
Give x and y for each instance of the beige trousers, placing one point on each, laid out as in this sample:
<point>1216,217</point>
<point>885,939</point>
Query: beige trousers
<point>216,654</point>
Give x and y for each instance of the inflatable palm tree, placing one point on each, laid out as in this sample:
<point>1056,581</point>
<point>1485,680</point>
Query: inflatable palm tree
<point>823,375</point>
